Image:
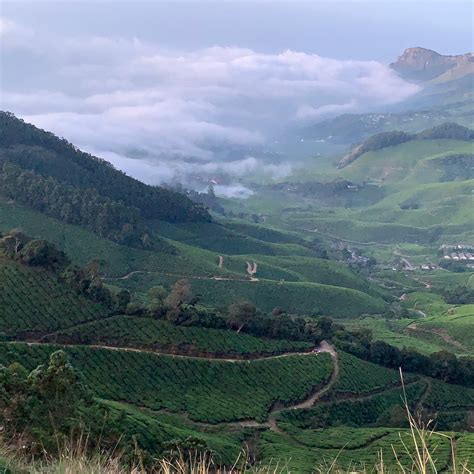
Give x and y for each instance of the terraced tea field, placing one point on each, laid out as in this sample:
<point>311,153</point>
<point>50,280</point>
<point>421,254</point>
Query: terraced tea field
<point>162,336</point>
<point>353,449</point>
<point>37,302</point>
<point>209,391</point>
<point>357,376</point>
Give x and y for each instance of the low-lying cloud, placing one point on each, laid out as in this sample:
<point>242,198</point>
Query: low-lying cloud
<point>183,116</point>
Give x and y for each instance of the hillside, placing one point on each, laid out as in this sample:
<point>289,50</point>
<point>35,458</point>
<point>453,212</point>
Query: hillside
<point>34,302</point>
<point>445,86</point>
<point>359,394</point>
<point>167,372</point>
<point>323,324</point>
<point>446,131</point>
<point>52,176</point>
<point>143,236</point>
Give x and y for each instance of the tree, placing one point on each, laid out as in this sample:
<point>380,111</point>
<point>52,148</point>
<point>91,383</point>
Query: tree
<point>384,354</point>
<point>346,254</point>
<point>445,366</point>
<point>41,253</point>
<point>156,293</point>
<point>155,298</point>
<point>44,405</point>
<point>122,300</point>
<point>413,361</point>
<point>13,242</point>
<point>180,294</point>
<point>241,313</point>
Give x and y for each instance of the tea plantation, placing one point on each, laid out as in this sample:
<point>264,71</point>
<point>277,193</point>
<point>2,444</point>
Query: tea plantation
<point>209,391</point>
<point>35,302</point>
<point>132,331</point>
<point>352,449</point>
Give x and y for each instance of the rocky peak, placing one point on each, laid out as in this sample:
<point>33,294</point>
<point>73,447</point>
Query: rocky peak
<point>425,64</point>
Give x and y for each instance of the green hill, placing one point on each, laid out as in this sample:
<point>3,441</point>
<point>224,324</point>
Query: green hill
<point>48,156</point>
<point>172,260</point>
<point>445,131</point>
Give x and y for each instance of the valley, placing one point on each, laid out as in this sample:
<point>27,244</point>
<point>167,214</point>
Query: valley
<point>322,324</point>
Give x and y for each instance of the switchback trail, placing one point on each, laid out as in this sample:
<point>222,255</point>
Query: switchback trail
<point>309,401</point>
<point>176,275</point>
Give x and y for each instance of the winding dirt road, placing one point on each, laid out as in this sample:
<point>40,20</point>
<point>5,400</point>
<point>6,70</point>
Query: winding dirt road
<point>176,356</point>
<point>271,423</point>
<point>176,275</point>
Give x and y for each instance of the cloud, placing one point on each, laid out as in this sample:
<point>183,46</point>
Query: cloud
<point>13,34</point>
<point>184,116</point>
<point>315,113</point>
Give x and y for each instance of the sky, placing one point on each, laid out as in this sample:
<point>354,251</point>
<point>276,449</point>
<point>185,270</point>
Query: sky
<point>184,91</point>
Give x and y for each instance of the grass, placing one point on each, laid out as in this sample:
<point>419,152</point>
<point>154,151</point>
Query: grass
<point>418,450</point>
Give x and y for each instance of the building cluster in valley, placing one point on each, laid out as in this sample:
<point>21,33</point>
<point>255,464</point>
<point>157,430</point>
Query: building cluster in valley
<point>457,252</point>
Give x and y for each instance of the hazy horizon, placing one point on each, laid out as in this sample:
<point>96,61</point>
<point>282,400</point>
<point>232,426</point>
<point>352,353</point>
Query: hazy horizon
<point>169,92</point>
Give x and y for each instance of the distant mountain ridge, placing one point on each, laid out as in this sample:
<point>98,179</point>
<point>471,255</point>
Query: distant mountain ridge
<point>423,64</point>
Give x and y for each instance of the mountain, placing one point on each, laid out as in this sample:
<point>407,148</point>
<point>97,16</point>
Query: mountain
<point>49,157</point>
<point>278,327</point>
<point>423,64</point>
<point>446,88</point>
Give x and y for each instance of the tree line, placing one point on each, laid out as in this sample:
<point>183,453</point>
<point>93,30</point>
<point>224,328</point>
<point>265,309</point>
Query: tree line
<point>84,207</point>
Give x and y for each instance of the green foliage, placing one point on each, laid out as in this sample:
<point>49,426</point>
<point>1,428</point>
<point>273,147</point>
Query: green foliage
<point>348,449</point>
<point>210,391</point>
<point>42,406</point>
<point>293,297</point>
<point>359,376</point>
<point>374,143</point>
<point>241,313</point>
<point>35,301</point>
<point>85,207</point>
<point>155,433</point>
<point>131,331</point>
<point>443,396</point>
<point>449,130</point>
<point>456,166</point>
